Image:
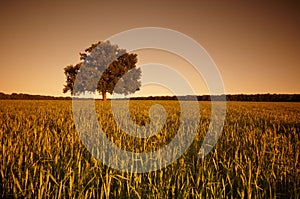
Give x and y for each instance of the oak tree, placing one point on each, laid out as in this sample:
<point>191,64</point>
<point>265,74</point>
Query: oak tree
<point>104,68</point>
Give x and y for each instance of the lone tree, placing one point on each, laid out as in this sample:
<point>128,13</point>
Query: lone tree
<point>105,68</point>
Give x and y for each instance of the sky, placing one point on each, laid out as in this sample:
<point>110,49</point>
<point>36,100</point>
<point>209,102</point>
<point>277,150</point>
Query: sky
<point>254,44</point>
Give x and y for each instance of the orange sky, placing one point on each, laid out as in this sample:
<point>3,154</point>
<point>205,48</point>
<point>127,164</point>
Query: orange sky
<point>256,46</point>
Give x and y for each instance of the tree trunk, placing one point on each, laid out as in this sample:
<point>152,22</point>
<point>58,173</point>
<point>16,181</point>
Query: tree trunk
<point>104,96</point>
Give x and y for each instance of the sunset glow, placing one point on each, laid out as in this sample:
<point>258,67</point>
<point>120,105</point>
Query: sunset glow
<point>256,46</point>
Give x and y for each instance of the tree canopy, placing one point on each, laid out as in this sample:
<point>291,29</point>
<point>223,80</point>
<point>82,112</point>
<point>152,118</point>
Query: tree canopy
<point>104,68</point>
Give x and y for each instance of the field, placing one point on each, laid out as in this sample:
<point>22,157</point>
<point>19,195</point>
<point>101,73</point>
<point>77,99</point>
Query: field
<point>257,155</point>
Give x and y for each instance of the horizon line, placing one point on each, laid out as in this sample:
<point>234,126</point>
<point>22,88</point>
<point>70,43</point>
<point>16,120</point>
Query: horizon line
<point>205,94</point>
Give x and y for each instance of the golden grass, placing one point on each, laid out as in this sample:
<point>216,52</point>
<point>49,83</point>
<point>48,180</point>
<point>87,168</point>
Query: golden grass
<point>257,155</point>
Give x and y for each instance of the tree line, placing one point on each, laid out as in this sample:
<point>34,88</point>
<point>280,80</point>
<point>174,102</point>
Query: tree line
<point>237,97</point>
<point>22,96</point>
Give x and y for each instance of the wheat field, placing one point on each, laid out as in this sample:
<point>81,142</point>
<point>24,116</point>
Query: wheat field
<point>257,155</point>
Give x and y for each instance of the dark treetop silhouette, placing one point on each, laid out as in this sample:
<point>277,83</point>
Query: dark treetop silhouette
<point>102,66</point>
